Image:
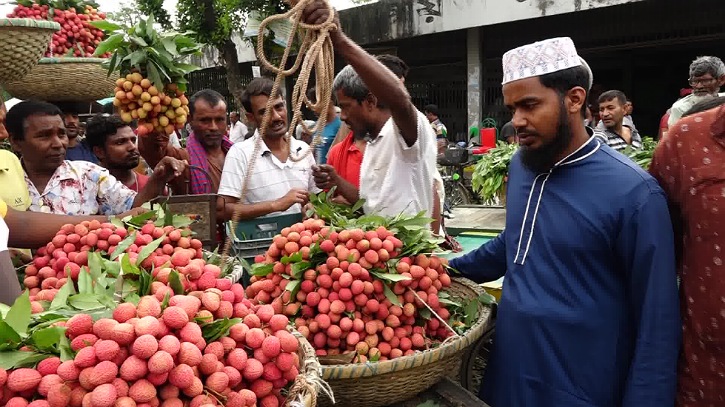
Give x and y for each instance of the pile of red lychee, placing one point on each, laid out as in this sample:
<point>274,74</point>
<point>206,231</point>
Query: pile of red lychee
<point>147,355</point>
<point>360,297</point>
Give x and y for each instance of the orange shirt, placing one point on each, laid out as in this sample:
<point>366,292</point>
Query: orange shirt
<point>346,158</point>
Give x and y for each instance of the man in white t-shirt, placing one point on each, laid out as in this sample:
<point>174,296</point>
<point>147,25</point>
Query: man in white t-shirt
<point>237,129</point>
<point>278,184</point>
<point>397,171</point>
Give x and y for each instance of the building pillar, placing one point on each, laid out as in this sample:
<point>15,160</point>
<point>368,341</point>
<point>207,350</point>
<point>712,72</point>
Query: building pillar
<point>474,75</point>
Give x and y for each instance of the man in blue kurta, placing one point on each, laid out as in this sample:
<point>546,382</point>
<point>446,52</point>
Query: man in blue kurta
<point>589,311</point>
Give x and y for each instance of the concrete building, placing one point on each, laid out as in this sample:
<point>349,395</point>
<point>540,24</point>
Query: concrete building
<point>454,48</point>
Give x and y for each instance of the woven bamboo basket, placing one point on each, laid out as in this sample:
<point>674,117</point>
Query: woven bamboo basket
<point>22,43</point>
<point>304,391</point>
<point>392,381</point>
<point>64,80</point>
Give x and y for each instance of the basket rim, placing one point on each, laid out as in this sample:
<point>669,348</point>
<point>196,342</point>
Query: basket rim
<point>70,60</point>
<point>354,371</point>
<point>29,23</point>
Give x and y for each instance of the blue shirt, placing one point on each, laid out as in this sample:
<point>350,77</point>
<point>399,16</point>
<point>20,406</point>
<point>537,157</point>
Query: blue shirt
<point>589,314</point>
<point>81,152</point>
<point>328,136</point>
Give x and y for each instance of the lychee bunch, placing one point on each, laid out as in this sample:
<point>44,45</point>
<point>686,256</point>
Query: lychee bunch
<point>147,355</point>
<point>156,110</point>
<point>341,306</point>
<point>67,256</point>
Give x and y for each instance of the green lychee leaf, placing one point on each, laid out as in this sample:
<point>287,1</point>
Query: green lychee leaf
<point>18,317</point>
<point>123,245</point>
<point>261,269</point>
<point>85,302</point>
<point>165,302</point>
<point>145,280</point>
<point>45,339</point>
<point>148,249</point>
<point>293,287</point>
<point>215,330</point>
<point>85,283</point>
<point>390,295</point>
<point>66,352</point>
<point>298,269</point>
<point>15,358</point>
<point>61,297</point>
<point>393,278</point>
<point>95,264</point>
<point>127,267</point>
<point>8,336</point>
<point>175,282</point>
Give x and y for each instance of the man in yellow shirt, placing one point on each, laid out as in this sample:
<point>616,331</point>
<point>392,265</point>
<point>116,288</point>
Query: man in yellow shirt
<point>12,177</point>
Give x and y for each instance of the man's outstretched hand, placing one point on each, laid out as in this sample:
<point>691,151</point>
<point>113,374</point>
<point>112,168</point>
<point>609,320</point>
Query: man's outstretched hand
<point>325,176</point>
<point>169,168</point>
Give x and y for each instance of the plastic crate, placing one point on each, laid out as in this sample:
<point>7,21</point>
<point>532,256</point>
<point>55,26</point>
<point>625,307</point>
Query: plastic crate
<point>253,237</point>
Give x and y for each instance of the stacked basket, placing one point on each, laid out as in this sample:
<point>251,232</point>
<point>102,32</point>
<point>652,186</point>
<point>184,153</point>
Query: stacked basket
<point>50,79</point>
<point>22,43</point>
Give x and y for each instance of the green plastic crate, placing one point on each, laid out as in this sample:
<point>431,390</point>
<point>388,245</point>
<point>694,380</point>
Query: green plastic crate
<point>253,237</point>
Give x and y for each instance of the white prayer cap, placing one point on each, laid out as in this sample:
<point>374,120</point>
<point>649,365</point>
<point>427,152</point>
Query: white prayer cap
<point>541,58</point>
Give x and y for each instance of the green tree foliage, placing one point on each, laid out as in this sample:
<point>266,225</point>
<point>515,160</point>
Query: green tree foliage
<point>213,23</point>
<point>126,15</point>
<point>156,9</point>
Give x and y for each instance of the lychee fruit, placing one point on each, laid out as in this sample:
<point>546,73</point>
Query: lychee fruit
<point>79,324</point>
<point>103,328</point>
<point>147,325</point>
<point>189,354</point>
<point>104,396</point>
<point>253,370</point>
<point>271,346</point>
<point>217,381</point>
<point>68,371</point>
<point>170,344</point>
<point>133,368</point>
<point>181,376</point>
<point>82,341</point>
<point>175,317</point>
<point>254,338</point>
<point>86,357</point>
<point>47,366</point>
<point>104,372</point>
<point>23,379</point>
<point>145,346</point>
<point>106,349</point>
<point>161,362</point>
<point>124,333</point>
<point>124,312</point>
<point>142,391</point>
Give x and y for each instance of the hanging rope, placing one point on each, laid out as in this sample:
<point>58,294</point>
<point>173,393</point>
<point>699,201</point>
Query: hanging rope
<point>316,52</point>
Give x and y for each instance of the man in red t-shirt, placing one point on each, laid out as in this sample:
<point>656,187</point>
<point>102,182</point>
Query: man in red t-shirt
<point>114,143</point>
<point>346,157</point>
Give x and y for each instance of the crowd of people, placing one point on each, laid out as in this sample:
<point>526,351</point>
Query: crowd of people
<point>591,313</point>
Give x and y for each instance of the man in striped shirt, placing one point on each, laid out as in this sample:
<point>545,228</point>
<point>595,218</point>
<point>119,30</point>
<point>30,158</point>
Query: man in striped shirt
<point>616,132</point>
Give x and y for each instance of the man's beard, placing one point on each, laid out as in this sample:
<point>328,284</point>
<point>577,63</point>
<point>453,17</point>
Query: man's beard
<point>542,159</point>
<point>126,166</point>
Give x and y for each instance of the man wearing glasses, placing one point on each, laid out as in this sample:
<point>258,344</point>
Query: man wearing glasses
<point>707,75</point>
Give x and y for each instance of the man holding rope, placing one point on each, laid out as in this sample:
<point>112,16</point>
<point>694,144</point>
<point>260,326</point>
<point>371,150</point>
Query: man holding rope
<point>397,171</point>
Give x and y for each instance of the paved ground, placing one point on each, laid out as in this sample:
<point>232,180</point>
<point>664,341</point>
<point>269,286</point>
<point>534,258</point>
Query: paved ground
<point>476,218</point>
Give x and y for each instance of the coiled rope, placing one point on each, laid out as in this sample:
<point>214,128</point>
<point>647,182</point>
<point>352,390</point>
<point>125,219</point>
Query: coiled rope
<point>316,52</point>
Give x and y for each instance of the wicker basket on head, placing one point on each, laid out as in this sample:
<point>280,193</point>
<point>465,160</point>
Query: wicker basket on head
<point>393,381</point>
<point>64,80</point>
<point>22,43</point>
